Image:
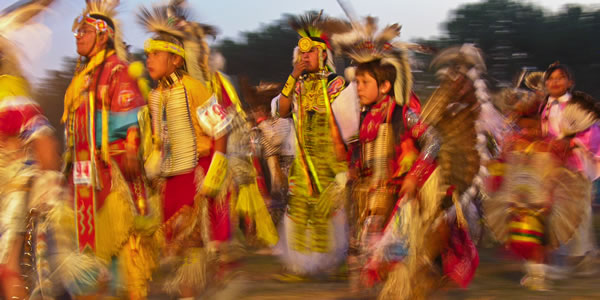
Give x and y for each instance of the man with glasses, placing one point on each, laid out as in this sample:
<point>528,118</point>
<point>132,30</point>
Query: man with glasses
<point>100,117</point>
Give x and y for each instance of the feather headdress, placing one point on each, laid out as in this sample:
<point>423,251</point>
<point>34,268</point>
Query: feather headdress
<point>315,30</point>
<point>13,18</point>
<point>365,43</point>
<point>188,38</point>
<point>101,14</point>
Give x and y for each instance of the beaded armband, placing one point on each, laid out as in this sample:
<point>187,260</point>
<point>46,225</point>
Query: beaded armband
<point>290,84</point>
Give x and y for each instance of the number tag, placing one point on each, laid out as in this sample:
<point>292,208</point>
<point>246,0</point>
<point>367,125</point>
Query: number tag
<point>82,172</point>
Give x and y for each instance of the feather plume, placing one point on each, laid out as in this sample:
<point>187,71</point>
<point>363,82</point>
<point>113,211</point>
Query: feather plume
<point>466,56</point>
<point>365,43</point>
<point>18,14</point>
<point>173,20</point>
<point>156,20</point>
<point>307,25</point>
<point>13,18</point>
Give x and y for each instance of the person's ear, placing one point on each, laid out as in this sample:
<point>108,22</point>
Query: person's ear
<point>177,61</point>
<point>103,39</point>
<point>384,87</point>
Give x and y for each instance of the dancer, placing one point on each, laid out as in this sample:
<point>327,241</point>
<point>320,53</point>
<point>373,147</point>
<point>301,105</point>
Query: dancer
<point>101,158</point>
<point>189,129</point>
<point>314,239</point>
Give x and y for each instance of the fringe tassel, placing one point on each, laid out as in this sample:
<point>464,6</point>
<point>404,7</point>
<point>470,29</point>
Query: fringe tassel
<point>115,219</point>
<point>192,271</point>
<point>250,202</point>
<point>402,282</point>
<point>78,272</point>
<point>104,145</point>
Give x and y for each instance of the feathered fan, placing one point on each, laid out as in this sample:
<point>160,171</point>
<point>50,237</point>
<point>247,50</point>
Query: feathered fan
<point>453,110</point>
<point>575,119</point>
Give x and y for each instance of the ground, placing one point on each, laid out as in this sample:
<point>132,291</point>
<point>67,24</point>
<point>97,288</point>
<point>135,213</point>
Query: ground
<point>497,277</point>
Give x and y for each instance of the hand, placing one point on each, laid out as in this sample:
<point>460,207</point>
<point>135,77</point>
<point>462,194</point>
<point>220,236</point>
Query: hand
<point>299,68</point>
<point>409,186</point>
<point>131,166</point>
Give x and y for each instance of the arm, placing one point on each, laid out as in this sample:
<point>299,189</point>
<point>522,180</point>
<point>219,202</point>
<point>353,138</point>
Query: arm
<point>125,101</point>
<point>285,100</point>
<point>429,142</point>
<point>45,149</point>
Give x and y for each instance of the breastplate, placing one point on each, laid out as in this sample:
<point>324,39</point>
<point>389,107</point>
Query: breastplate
<point>171,117</point>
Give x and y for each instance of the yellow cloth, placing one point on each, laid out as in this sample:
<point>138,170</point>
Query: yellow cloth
<point>73,96</point>
<point>13,86</point>
<point>197,94</point>
<point>250,203</point>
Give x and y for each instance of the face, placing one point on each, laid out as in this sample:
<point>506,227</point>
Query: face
<point>160,64</point>
<point>558,83</point>
<point>312,59</point>
<point>367,88</point>
<point>86,41</point>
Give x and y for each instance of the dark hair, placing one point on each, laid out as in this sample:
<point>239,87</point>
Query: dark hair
<point>558,66</point>
<point>168,38</point>
<point>381,73</point>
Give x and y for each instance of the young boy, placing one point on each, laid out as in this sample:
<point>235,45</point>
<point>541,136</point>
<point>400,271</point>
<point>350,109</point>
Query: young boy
<point>190,153</point>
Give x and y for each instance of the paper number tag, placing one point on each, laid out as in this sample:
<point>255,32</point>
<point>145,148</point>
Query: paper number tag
<point>213,118</point>
<point>82,172</point>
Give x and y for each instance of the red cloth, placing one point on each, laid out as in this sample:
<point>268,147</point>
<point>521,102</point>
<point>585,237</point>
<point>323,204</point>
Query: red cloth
<point>180,191</point>
<point>460,260</point>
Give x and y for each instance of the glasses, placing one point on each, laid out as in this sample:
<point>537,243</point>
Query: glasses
<point>82,32</point>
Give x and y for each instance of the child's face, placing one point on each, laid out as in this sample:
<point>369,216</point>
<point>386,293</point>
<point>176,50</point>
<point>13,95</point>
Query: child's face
<point>558,83</point>
<point>160,64</point>
<point>367,88</point>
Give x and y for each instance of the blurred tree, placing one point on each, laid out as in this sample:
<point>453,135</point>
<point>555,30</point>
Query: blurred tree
<point>264,55</point>
<point>512,34</point>
<point>50,93</point>
<point>515,34</point>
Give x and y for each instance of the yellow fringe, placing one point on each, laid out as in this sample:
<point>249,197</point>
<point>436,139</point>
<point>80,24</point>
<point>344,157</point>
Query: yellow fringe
<point>250,202</point>
<point>420,215</point>
<point>73,94</point>
<point>192,272</point>
<point>104,145</point>
<point>140,258</point>
<point>114,220</point>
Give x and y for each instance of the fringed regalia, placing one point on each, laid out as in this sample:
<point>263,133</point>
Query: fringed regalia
<point>33,202</point>
<point>100,117</point>
<point>185,155</point>
<point>250,146</point>
<point>314,237</point>
<point>184,123</point>
<point>251,198</point>
<point>540,192</point>
<point>432,225</point>
<point>315,223</point>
